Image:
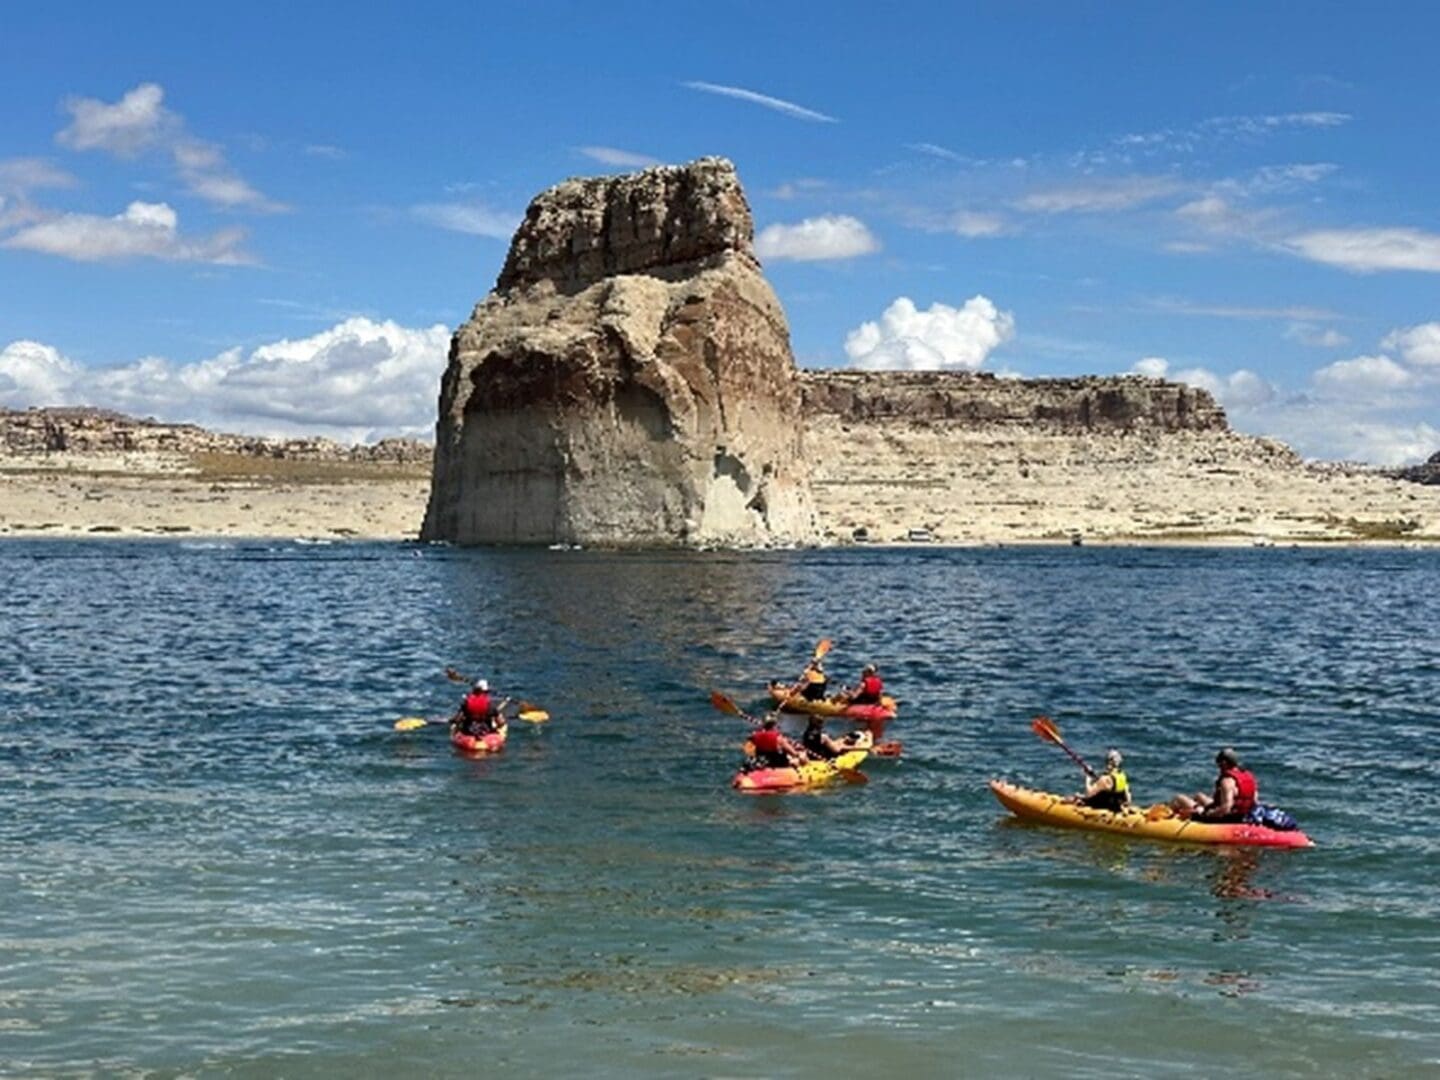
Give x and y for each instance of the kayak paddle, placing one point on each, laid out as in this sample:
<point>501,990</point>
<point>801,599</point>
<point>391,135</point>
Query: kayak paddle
<point>1047,730</point>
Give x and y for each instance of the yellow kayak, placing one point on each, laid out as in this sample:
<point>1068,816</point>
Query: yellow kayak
<point>794,703</point>
<point>1155,823</point>
<point>810,774</point>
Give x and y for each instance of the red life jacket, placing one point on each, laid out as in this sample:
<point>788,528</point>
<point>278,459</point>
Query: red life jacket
<point>767,741</point>
<point>1246,790</point>
<point>477,705</point>
<point>870,689</point>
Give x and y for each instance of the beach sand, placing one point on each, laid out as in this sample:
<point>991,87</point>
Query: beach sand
<point>961,487</point>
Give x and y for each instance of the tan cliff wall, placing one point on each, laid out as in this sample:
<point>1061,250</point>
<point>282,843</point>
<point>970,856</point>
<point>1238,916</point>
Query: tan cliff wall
<point>629,381</point>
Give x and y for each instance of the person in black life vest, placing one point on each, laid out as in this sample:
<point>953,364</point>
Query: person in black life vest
<point>814,681</point>
<point>772,749</point>
<point>870,690</point>
<point>1235,795</point>
<point>1111,789</point>
<point>819,745</point>
<point>479,712</point>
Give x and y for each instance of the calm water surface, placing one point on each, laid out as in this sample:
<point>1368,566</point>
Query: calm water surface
<point>218,858</point>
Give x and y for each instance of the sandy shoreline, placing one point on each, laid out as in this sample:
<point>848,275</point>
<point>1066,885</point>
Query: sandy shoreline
<point>973,489</point>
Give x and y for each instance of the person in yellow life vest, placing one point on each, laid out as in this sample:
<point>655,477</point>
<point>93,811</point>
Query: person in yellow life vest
<point>1111,789</point>
<point>813,681</point>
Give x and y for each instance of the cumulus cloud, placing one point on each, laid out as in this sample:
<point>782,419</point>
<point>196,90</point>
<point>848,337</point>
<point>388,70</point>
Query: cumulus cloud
<point>1418,345</point>
<point>938,337</point>
<point>789,108</point>
<point>624,159</point>
<point>358,380</point>
<point>1240,389</point>
<point>1366,251</point>
<point>143,230</point>
<point>471,218</point>
<point>833,236</point>
<point>1363,377</point>
<point>139,122</point>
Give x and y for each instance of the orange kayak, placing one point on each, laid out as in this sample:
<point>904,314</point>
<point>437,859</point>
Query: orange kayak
<point>1155,823</point>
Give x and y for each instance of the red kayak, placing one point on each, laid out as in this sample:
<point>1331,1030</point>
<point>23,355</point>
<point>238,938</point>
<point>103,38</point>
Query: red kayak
<point>489,743</point>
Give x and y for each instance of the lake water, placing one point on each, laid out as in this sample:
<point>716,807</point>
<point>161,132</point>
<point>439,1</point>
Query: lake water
<point>219,858</point>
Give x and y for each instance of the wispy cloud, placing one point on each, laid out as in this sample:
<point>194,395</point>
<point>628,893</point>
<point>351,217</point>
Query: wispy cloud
<point>139,123</point>
<point>21,175</point>
<point>1101,196</point>
<point>934,150</point>
<point>1316,337</point>
<point>1366,251</point>
<point>1191,137</point>
<point>625,159</point>
<point>326,150</point>
<point>833,236</point>
<point>143,230</point>
<point>1229,311</point>
<point>789,108</point>
<point>471,218</point>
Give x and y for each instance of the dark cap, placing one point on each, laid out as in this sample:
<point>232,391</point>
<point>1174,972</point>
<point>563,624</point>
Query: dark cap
<point>1227,756</point>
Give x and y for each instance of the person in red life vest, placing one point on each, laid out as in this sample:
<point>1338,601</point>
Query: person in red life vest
<point>773,750</point>
<point>479,712</point>
<point>870,690</point>
<point>1236,793</point>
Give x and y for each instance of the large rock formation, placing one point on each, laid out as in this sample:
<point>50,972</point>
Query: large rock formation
<point>974,400</point>
<point>629,381</point>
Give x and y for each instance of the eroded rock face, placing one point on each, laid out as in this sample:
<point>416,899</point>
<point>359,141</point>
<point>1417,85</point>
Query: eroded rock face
<point>976,400</point>
<point>629,381</point>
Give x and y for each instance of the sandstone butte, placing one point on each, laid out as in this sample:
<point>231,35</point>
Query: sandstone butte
<point>629,382</point>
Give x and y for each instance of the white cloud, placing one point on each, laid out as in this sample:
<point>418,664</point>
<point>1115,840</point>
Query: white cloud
<point>1318,337</point>
<point>1418,345</point>
<point>933,150</point>
<point>1236,311</point>
<point>1363,378</point>
<point>834,236</point>
<point>358,380</point>
<point>326,150</point>
<point>1216,215</point>
<point>1102,196</point>
<point>1369,250</point>
<point>1273,179</point>
<point>625,159</point>
<point>144,230</point>
<point>974,224</point>
<point>35,374</point>
<point>136,122</point>
<point>471,218</point>
<point>789,108</point>
<point>1241,389</point>
<point>939,337</point>
<point>21,175</point>
<point>139,122</point>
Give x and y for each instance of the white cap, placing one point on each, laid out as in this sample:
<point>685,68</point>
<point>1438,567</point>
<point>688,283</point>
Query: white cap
<point>482,685</point>
<point>1114,758</point>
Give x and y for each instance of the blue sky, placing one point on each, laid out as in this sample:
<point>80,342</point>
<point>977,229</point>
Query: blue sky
<point>268,217</point>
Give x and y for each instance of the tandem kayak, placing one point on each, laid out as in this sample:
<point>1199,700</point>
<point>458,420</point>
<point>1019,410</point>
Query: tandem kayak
<point>869,714</point>
<point>489,743</point>
<point>1156,823</point>
<point>810,774</point>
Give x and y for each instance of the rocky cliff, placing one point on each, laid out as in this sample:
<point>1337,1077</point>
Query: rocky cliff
<point>84,430</point>
<point>977,400</point>
<point>629,381</point>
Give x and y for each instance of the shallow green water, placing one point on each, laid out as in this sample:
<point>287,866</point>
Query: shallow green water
<point>220,859</point>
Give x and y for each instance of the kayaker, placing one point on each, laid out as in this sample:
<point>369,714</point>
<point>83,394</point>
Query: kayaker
<point>817,744</point>
<point>1111,789</point>
<point>814,681</point>
<point>870,690</point>
<point>1235,795</point>
<point>479,712</point>
<point>773,750</point>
